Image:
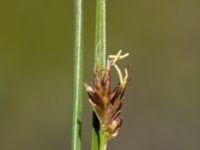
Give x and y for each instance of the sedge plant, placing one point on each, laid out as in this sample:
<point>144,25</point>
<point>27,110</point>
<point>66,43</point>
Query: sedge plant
<point>106,102</point>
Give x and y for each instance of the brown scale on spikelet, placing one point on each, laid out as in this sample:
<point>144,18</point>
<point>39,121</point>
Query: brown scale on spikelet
<point>106,103</point>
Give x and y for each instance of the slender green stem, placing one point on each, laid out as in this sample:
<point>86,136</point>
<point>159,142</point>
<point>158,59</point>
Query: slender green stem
<point>103,140</point>
<point>100,59</point>
<point>78,74</point>
<point>100,37</point>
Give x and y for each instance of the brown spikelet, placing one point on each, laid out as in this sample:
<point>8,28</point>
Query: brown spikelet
<point>107,104</point>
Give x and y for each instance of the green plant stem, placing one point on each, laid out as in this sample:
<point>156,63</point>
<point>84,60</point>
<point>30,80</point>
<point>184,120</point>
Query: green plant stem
<point>78,74</point>
<point>100,59</point>
<point>100,37</point>
<point>103,140</point>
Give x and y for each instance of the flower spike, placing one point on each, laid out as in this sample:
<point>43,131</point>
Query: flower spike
<point>107,104</point>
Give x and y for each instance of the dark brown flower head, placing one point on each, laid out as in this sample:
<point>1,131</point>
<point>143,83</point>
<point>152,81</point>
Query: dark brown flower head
<point>105,102</point>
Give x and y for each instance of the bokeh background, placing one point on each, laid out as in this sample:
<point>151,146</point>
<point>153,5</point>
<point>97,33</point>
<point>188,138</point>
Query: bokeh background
<point>162,103</point>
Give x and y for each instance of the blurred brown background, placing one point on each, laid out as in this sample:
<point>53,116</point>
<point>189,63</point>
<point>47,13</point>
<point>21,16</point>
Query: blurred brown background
<point>162,101</point>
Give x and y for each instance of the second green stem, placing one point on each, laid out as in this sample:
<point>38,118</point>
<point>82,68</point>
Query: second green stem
<point>100,60</point>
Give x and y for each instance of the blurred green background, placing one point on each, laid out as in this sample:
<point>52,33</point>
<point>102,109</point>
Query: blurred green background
<point>162,103</point>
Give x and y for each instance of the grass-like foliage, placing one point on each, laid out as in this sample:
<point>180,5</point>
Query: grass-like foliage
<point>105,101</point>
<point>78,74</point>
